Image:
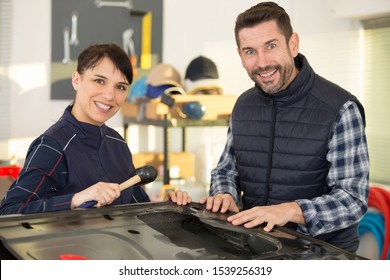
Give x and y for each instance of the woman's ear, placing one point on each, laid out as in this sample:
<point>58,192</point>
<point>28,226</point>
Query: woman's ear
<point>76,80</point>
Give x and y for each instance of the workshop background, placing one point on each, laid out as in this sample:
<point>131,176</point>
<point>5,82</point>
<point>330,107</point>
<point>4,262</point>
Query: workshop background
<point>346,41</point>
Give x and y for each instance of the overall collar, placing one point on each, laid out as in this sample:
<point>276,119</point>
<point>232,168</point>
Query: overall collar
<point>91,135</point>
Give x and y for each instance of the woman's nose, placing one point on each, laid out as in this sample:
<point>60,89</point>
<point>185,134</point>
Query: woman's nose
<point>109,93</point>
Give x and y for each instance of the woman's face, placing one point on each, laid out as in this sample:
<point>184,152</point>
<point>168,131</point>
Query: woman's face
<point>100,93</point>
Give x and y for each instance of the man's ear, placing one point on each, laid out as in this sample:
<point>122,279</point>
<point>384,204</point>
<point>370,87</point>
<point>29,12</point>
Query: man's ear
<point>238,51</point>
<point>294,44</point>
<point>75,80</point>
<point>240,54</point>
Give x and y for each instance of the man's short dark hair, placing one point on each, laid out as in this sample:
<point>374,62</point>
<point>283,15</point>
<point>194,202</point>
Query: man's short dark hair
<point>263,12</point>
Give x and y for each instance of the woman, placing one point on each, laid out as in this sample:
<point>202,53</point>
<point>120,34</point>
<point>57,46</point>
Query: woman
<point>79,158</point>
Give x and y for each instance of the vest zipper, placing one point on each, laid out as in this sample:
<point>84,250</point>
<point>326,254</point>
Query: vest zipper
<point>268,185</point>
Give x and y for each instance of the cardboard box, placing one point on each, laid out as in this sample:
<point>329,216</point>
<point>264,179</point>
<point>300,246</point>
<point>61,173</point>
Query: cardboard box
<point>5,183</point>
<point>184,160</point>
<point>130,110</point>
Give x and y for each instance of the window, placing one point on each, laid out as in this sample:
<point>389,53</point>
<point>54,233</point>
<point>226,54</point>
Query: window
<point>5,54</point>
<point>377,96</point>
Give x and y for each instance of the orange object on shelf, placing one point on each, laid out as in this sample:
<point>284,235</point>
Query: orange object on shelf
<point>11,171</point>
<point>166,188</point>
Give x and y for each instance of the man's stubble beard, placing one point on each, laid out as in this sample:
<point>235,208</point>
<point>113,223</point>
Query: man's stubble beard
<point>284,75</point>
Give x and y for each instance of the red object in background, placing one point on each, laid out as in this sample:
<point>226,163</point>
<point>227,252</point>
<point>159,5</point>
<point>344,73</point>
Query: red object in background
<point>12,171</point>
<point>72,257</point>
<point>379,198</point>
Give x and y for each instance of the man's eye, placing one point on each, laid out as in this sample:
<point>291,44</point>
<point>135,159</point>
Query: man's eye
<point>250,52</point>
<point>271,46</point>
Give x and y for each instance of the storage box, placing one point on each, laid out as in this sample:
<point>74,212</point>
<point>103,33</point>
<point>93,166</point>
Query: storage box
<point>184,160</point>
<point>130,110</point>
<point>5,183</point>
<point>217,106</point>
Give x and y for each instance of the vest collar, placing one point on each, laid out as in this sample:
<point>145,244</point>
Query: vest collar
<point>298,88</point>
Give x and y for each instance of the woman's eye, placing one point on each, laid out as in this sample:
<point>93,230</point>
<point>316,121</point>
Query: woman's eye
<point>99,81</point>
<point>123,88</point>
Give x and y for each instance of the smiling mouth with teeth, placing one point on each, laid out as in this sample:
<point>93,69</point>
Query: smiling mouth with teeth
<point>103,106</point>
<point>266,75</point>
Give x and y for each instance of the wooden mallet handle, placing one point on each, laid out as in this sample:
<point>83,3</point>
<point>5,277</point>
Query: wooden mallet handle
<point>130,182</point>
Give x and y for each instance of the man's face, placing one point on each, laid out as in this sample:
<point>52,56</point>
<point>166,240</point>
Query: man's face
<point>267,58</point>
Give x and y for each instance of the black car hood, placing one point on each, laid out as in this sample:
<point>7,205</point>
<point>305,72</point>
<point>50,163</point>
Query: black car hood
<point>152,231</point>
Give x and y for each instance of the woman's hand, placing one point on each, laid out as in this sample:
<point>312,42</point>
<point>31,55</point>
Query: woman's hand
<point>103,193</point>
<point>179,197</point>
<point>220,202</point>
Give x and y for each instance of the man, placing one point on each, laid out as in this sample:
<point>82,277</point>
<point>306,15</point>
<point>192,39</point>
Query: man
<point>296,152</point>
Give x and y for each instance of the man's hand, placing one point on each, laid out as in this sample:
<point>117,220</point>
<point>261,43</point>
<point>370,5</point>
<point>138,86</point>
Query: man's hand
<point>179,197</point>
<point>220,202</point>
<point>271,215</point>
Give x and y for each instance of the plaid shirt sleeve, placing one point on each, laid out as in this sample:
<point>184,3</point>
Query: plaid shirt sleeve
<point>348,177</point>
<point>224,178</point>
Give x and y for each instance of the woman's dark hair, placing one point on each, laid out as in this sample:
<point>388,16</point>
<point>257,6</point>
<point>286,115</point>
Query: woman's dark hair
<point>263,12</point>
<point>92,55</point>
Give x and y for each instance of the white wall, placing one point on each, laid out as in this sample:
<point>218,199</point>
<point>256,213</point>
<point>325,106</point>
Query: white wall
<point>328,29</point>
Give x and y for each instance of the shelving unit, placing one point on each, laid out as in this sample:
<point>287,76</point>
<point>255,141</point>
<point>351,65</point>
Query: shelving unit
<point>166,124</point>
